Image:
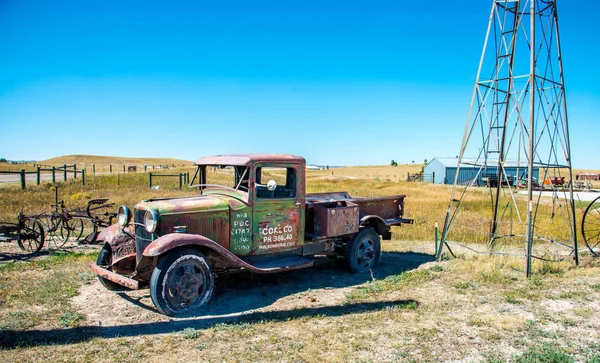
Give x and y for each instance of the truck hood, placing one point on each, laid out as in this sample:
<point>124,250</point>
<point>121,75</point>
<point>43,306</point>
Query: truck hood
<point>204,203</point>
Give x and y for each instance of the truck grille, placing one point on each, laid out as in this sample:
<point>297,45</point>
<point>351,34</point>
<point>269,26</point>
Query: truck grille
<point>142,237</point>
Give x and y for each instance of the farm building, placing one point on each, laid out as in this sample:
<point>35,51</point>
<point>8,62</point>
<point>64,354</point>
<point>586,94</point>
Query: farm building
<point>443,170</point>
<point>587,176</point>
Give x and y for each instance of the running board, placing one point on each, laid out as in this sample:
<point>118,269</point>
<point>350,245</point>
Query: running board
<point>282,264</point>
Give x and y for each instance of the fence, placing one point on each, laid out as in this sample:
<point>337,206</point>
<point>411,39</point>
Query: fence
<point>42,173</point>
<point>183,178</point>
<point>421,177</point>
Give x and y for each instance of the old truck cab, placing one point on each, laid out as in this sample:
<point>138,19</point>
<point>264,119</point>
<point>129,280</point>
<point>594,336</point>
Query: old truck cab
<point>250,213</point>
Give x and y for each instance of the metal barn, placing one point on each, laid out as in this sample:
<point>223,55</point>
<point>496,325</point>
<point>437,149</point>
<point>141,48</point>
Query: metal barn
<point>443,170</point>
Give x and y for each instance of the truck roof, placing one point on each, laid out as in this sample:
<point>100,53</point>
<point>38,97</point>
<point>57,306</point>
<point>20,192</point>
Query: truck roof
<point>249,159</point>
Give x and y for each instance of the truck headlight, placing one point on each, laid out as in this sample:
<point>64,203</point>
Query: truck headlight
<point>124,216</point>
<point>151,221</point>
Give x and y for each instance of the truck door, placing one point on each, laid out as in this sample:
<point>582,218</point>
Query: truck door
<point>278,216</point>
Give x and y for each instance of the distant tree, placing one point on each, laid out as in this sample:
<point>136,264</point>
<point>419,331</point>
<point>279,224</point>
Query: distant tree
<point>413,161</point>
<point>425,161</point>
<point>3,160</point>
<point>394,163</point>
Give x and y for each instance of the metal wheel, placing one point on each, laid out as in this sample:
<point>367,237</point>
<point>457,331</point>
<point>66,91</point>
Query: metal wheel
<point>182,282</point>
<point>363,251</point>
<point>32,235</point>
<point>590,227</point>
<point>57,234</point>
<point>75,226</point>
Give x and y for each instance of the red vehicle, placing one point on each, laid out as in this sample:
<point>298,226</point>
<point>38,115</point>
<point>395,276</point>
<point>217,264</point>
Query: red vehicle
<point>252,213</point>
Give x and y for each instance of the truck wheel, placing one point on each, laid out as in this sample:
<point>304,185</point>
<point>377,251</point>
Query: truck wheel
<point>105,260</point>
<point>182,282</point>
<point>363,251</point>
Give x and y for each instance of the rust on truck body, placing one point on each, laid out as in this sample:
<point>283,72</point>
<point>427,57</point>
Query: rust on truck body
<point>169,242</point>
<point>262,221</point>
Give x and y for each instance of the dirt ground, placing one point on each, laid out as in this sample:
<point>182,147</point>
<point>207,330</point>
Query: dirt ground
<point>238,295</point>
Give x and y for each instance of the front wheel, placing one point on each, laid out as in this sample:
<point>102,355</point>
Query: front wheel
<point>182,282</point>
<point>363,251</point>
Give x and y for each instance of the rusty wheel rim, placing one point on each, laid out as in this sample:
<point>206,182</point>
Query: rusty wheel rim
<point>365,254</point>
<point>185,284</point>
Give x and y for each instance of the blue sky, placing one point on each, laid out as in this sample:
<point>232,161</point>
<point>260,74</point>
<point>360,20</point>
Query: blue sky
<point>338,82</point>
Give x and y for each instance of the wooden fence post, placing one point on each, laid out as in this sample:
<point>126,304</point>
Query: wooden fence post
<point>94,170</point>
<point>82,176</point>
<point>180,181</point>
<point>110,168</point>
<point>74,171</point>
<point>53,175</point>
<point>65,171</point>
<point>22,178</point>
<point>118,178</point>
<point>38,175</point>
<point>150,179</point>
<point>433,177</point>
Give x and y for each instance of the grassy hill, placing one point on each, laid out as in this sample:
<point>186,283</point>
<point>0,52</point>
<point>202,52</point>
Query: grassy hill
<point>113,160</point>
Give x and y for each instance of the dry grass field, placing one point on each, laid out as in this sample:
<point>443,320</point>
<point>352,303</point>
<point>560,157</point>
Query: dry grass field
<point>101,163</point>
<point>410,309</point>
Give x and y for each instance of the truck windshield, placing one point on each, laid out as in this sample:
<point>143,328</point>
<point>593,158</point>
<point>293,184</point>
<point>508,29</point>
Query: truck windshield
<point>215,176</point>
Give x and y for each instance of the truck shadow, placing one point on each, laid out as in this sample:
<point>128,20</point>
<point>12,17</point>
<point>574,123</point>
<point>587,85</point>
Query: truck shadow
<point>14,339</point>
<point>241,292</point>
<point>240,298</point>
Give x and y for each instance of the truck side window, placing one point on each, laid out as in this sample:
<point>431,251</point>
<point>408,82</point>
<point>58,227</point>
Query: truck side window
<point>285,178</point>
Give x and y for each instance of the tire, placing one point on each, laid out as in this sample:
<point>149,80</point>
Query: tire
<point>105,260</point>
<point>34,235</point>
<point>182,282</point>
<point>363,251</point>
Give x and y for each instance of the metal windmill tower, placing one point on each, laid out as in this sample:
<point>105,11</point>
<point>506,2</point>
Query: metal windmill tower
<point>516,142</point>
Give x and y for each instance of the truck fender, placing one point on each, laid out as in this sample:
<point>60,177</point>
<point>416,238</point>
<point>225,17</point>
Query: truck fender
<point>121,242</point>
<point>115,232</point>
<point>170,241</point>
<point>378,224</point>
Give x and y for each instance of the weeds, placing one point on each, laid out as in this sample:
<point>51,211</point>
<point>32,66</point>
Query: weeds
<point>371,289</point>
<point>544,353</point>
<point>71,319</point>
<point>191,333</point>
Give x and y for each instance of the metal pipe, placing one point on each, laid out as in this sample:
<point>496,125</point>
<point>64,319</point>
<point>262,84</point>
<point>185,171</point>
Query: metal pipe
<point>532,88</point>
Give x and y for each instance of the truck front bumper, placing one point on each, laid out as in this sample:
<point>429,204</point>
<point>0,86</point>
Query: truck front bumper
<point>116,278</point>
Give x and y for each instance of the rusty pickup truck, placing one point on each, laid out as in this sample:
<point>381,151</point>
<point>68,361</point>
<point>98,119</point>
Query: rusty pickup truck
<point>252,212</point>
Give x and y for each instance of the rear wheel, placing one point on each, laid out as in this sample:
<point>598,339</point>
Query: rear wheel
<point>57,233</point>
<point>32,235</point>
<point>182,282</point>
<point>363,251</point>
<point>75,226</point>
